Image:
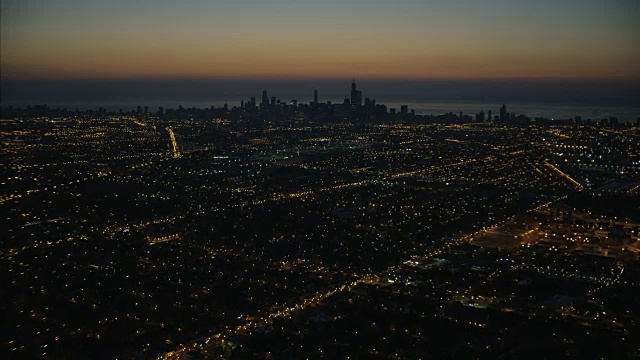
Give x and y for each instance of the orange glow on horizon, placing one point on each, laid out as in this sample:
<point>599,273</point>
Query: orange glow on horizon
<point>154,67</point>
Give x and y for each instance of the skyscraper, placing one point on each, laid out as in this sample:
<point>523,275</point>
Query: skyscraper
<point>315,96</point>
<point>356,96</point>
<point>504,115</point>
<point>265,98</point>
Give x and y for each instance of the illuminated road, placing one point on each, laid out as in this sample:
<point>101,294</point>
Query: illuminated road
<point>174,144</point>
<point>252,325</point>
<point>564,175</point>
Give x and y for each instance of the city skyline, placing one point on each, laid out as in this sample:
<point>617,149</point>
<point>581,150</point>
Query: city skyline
<point>560,100</point>
<point>306,40</point>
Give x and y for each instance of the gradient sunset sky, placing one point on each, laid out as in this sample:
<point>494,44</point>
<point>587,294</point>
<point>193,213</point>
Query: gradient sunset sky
<point>404,39</point>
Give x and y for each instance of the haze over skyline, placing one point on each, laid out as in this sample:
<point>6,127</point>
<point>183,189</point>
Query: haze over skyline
<point>303,39</point>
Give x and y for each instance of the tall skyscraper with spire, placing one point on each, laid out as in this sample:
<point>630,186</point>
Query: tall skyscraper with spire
<point>356,96</point>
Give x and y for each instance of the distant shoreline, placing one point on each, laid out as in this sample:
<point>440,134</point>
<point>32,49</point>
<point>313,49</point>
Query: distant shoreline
<point>551,111</point>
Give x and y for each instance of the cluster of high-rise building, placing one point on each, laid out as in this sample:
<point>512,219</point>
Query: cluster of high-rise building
<point>272,109</point>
